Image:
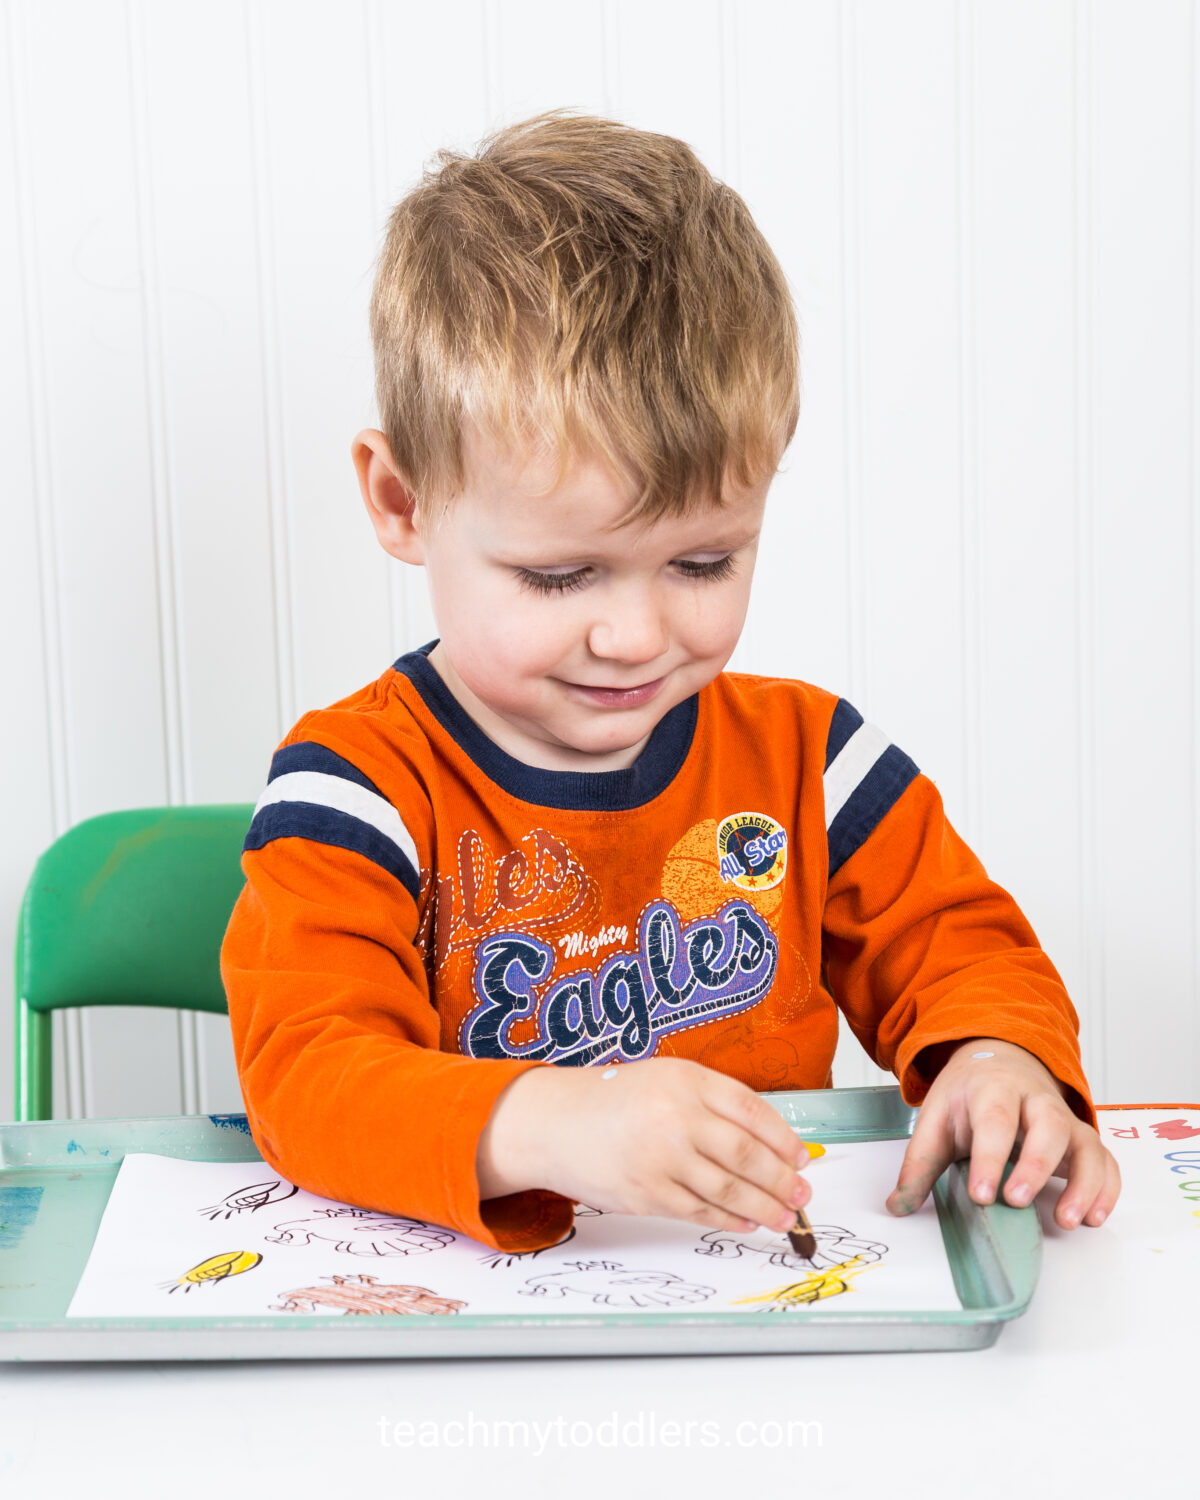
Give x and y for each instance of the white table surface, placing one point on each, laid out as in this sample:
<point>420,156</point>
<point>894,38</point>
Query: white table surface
<point>1095,1389</point>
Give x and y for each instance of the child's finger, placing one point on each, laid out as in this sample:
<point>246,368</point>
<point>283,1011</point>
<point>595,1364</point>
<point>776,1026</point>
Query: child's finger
<point>743,1155</point>
<point>731,1194</point>
<point>993,1131</point>
<point>1093,1184</point>
<point>774,1188</point>
<point>683,1203</point>
<point>1047,1141</point>
<point>735,1102</point>
<point>929,1153</point>
<point>1109,1193</point>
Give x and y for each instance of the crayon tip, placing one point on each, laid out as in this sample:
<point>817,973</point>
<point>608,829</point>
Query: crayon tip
<point>802,1239</point>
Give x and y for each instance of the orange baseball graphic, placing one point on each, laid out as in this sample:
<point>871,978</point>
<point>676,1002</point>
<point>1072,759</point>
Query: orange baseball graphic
<point>692,883</point>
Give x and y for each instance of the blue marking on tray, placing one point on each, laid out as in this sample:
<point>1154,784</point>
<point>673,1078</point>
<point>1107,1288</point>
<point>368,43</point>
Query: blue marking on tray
<point>73,1145</point>
<point>18,1209</point>
<point>231,1122</point>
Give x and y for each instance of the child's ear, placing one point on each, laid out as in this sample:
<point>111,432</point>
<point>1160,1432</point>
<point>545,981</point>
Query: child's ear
<point>390,503</point>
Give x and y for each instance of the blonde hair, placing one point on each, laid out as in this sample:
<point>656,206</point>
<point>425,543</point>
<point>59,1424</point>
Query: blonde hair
<point>584,287</point>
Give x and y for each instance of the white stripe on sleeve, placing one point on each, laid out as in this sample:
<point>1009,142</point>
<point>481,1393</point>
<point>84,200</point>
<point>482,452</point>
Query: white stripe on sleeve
<point>344,796</point>
<point>850,765</point>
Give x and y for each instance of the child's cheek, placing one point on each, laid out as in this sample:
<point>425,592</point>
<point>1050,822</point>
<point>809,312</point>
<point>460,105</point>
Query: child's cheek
<point>715,630</point>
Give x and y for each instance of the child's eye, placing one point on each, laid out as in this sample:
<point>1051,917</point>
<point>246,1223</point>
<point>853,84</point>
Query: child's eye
<point>551,583</point>
<point>563,583</point>
<point>722,567</point>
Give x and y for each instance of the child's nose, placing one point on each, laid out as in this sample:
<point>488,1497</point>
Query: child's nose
<point>631,628</point>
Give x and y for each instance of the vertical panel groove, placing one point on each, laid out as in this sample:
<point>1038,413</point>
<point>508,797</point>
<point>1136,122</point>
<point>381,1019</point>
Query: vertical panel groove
<point>854,1068</point>
<point>66,1024</point>
<point>728,40</point>
<point>150,302</point>
<point>492,88</point>
<point>382,192</point>
<point>1085,437</point>
<point>608,59</point>
<point>268,327</point>
<point>33,339</point>
<point>381,195</point>
<point>970,523</point>
<point>729,73</point>
<point>1193,498</point>
<point>166,570</point>
<point>851,319</point>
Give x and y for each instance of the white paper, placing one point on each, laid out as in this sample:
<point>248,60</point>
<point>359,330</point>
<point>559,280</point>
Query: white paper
<point>221,1239</point>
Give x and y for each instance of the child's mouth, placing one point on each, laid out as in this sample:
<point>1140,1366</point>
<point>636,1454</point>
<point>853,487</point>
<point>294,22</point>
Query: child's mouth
<point>619,697</point>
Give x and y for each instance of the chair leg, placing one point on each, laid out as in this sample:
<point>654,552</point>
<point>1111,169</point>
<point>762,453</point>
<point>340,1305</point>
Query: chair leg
<point>33,1097</point>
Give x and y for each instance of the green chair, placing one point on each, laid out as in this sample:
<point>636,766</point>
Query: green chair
<point>128,908</point>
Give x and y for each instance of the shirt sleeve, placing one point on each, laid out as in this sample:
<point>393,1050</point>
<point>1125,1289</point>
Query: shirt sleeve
<point>336,1038</point>
<point>920,947</point>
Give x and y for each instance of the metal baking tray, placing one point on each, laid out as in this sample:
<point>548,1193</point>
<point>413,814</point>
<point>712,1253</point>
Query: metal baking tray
<point>55,1178</point>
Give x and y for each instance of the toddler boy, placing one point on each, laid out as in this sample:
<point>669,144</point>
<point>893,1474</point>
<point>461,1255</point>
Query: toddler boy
<point>531,918</point>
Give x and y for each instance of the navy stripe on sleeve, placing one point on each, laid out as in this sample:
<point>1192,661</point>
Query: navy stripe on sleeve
<point>327,825</point>
<point>846,719</point>
<point>874,796</point>
<point>314,793</point>
<point>307,756</point>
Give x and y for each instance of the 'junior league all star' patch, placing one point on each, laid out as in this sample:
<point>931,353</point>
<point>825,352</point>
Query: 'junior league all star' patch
<point>752,850</point>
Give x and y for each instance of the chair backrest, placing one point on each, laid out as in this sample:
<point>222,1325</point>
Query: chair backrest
<point>128,908</point>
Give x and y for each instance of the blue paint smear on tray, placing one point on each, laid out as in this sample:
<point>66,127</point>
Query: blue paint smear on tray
<point>231,1122</point>
<point>18,1209</point>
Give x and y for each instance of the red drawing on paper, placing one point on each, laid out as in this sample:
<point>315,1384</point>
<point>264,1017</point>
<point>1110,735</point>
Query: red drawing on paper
<point>1174,1130</point>
<point>356,1295</point>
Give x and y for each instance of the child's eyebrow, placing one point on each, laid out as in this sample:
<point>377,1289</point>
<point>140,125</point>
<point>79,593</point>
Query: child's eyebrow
<point>722,542</point>
<point>729,542</point>
<point>538,555</point>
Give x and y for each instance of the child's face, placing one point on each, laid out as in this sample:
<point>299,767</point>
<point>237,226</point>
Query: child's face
<point>567,640</point>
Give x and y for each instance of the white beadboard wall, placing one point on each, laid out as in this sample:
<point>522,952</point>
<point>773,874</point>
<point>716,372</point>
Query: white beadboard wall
<point>985,536</point>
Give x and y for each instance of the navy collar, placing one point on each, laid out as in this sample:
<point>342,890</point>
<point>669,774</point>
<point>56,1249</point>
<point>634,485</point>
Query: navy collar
<point>599,791</point>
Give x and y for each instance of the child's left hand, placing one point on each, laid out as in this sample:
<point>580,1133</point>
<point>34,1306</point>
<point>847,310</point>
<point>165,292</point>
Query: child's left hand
<point>981,1106</point>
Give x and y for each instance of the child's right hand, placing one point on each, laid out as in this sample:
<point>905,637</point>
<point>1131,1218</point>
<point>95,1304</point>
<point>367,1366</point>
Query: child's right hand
<point>662,1136</point>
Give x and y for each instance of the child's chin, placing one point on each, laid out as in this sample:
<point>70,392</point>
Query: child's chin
<point>624,748</point>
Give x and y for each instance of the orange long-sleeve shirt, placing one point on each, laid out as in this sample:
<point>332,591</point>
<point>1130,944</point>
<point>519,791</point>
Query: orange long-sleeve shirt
<point>425,917</point>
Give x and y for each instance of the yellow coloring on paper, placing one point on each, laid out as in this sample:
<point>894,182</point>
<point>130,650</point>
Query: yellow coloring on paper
<point>814,1287</point>
<point>217,1268</point>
